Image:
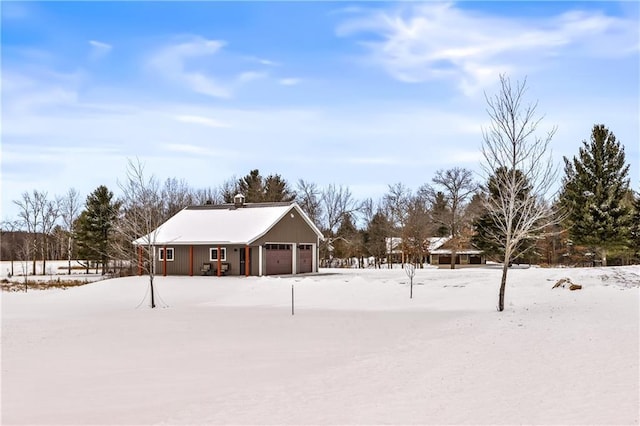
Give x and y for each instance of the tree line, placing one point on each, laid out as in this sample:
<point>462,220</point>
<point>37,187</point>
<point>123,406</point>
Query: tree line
<point>510,214</point>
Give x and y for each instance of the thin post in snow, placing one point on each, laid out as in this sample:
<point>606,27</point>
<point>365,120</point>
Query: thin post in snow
<point>292,299</point>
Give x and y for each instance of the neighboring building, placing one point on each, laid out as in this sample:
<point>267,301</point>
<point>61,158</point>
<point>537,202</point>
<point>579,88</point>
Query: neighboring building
<point>440,253</point>
<point>437,252</point>
<point>236,239</point>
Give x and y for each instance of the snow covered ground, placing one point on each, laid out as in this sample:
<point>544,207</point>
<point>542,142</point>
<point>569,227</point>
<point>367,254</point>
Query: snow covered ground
<point>357,351</point>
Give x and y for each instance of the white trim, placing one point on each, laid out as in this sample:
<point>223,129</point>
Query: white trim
<point>260,248</point>
<point>314,256</point>
<point>293,251</point>
<point>223,253</point>
<point>294,260</point>
<point>169,250</point>
<point>302,215</point>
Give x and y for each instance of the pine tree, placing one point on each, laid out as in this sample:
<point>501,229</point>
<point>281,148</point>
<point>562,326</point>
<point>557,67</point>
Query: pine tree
<point>277,189</point>
<point>96,226</point>
<point>252,187</point>
<point>439,211</point>
<point>375,236</point>
<point>594,188</point>
<point>488,236</point>
<point>257,189</point>
<point>634,233</point>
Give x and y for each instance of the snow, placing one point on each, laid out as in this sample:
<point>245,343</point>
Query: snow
<point>357,351</point>
<point>222,225</point>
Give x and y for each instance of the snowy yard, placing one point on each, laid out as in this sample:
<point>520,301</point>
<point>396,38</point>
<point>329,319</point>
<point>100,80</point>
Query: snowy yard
<point>357,351</point>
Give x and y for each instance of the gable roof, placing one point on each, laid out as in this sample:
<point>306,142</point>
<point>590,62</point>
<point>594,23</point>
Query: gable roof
<point>222,224</point>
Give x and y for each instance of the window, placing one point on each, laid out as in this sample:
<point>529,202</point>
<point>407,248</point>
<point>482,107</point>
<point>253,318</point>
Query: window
<point>169,254</point>
<point>304,246</point>
<point>213,254</point>
<point>277,246</point>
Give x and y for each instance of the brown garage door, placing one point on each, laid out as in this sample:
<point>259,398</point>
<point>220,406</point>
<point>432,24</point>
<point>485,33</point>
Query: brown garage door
<point>279,259</point>
<point>445,259</point>
<point>305,262</point>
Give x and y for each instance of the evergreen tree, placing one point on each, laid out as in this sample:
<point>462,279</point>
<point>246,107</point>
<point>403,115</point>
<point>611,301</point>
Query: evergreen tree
<point>96,226</point>
<point>488,236</point>
<point>634,233</point>
<point>257,189</point>
<point>594,188</point>
<point>277,189</point>
<point>345,242</point>
<point>439,211</point>
<point>252,187</point>
<point>378,229</point>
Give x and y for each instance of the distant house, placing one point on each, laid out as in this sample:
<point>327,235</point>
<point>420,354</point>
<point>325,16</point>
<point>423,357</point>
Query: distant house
<point>236,239</point>
<point>441,251</point>
<point>437,252</point>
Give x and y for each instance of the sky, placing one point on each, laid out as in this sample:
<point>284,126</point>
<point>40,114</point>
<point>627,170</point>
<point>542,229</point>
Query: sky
<point>361,94</point>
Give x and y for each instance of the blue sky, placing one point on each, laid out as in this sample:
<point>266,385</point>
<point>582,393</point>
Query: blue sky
<point>363,94</point>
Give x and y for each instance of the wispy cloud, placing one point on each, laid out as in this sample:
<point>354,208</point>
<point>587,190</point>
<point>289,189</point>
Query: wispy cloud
<point>99,49</point>
<point>186,149</point>
<point>248,76</point>
<point>263,61</point>
<point>173,61</point>
<point>434,41</point>
<point>190,64</point>
<point>289,81</point>
<point>205,121</point>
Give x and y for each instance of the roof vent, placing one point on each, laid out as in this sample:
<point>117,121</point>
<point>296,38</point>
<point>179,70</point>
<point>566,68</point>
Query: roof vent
<point>238,200</point>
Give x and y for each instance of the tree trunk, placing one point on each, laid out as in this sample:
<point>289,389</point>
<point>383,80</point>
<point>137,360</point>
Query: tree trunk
<point>153,300</point>
<point>44,257</point>
<point>503,284</point>
<point>104,264</point>
<point>453,258</point>
<point>35,250</point>
<point>69,254</point>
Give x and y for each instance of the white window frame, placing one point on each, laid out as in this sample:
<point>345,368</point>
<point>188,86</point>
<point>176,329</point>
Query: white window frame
<point>169,250</point>
<point>223,253</point>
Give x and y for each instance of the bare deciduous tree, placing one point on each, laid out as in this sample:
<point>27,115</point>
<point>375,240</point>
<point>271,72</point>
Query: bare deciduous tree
<point>48,218</point>
<point>336,201</point>
<point>69,211</point>
<point>176,195</point>
<point>457,186</point>
<point>142,214</point>
<point>29,214</point>
<point>397,204</point>
<point>510,143</point>
<point>208,196</point>
<point>308,197</point>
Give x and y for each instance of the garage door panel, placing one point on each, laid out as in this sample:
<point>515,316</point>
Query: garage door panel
<point>279,259</point>
<point>305,259</point>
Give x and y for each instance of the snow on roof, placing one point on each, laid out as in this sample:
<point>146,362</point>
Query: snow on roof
<point>222,224</point>
<point>462,251</point>
<point>436,242</point>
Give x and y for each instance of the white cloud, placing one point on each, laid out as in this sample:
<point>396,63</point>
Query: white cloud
<point>99,49</point>
<point>184,148</point>
<point>289,81</point>
<point>190,64</point>
<point>172,62</point>
<point>248,76</point>
<point>205,121</point>
<point>435,41</point>
<point>263,61</point>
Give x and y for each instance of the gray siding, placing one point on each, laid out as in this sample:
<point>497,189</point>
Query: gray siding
<point>289,230</point>
<point>180,263</point>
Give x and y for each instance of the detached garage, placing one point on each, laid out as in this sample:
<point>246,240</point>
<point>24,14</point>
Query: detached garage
<point>235,239</point>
